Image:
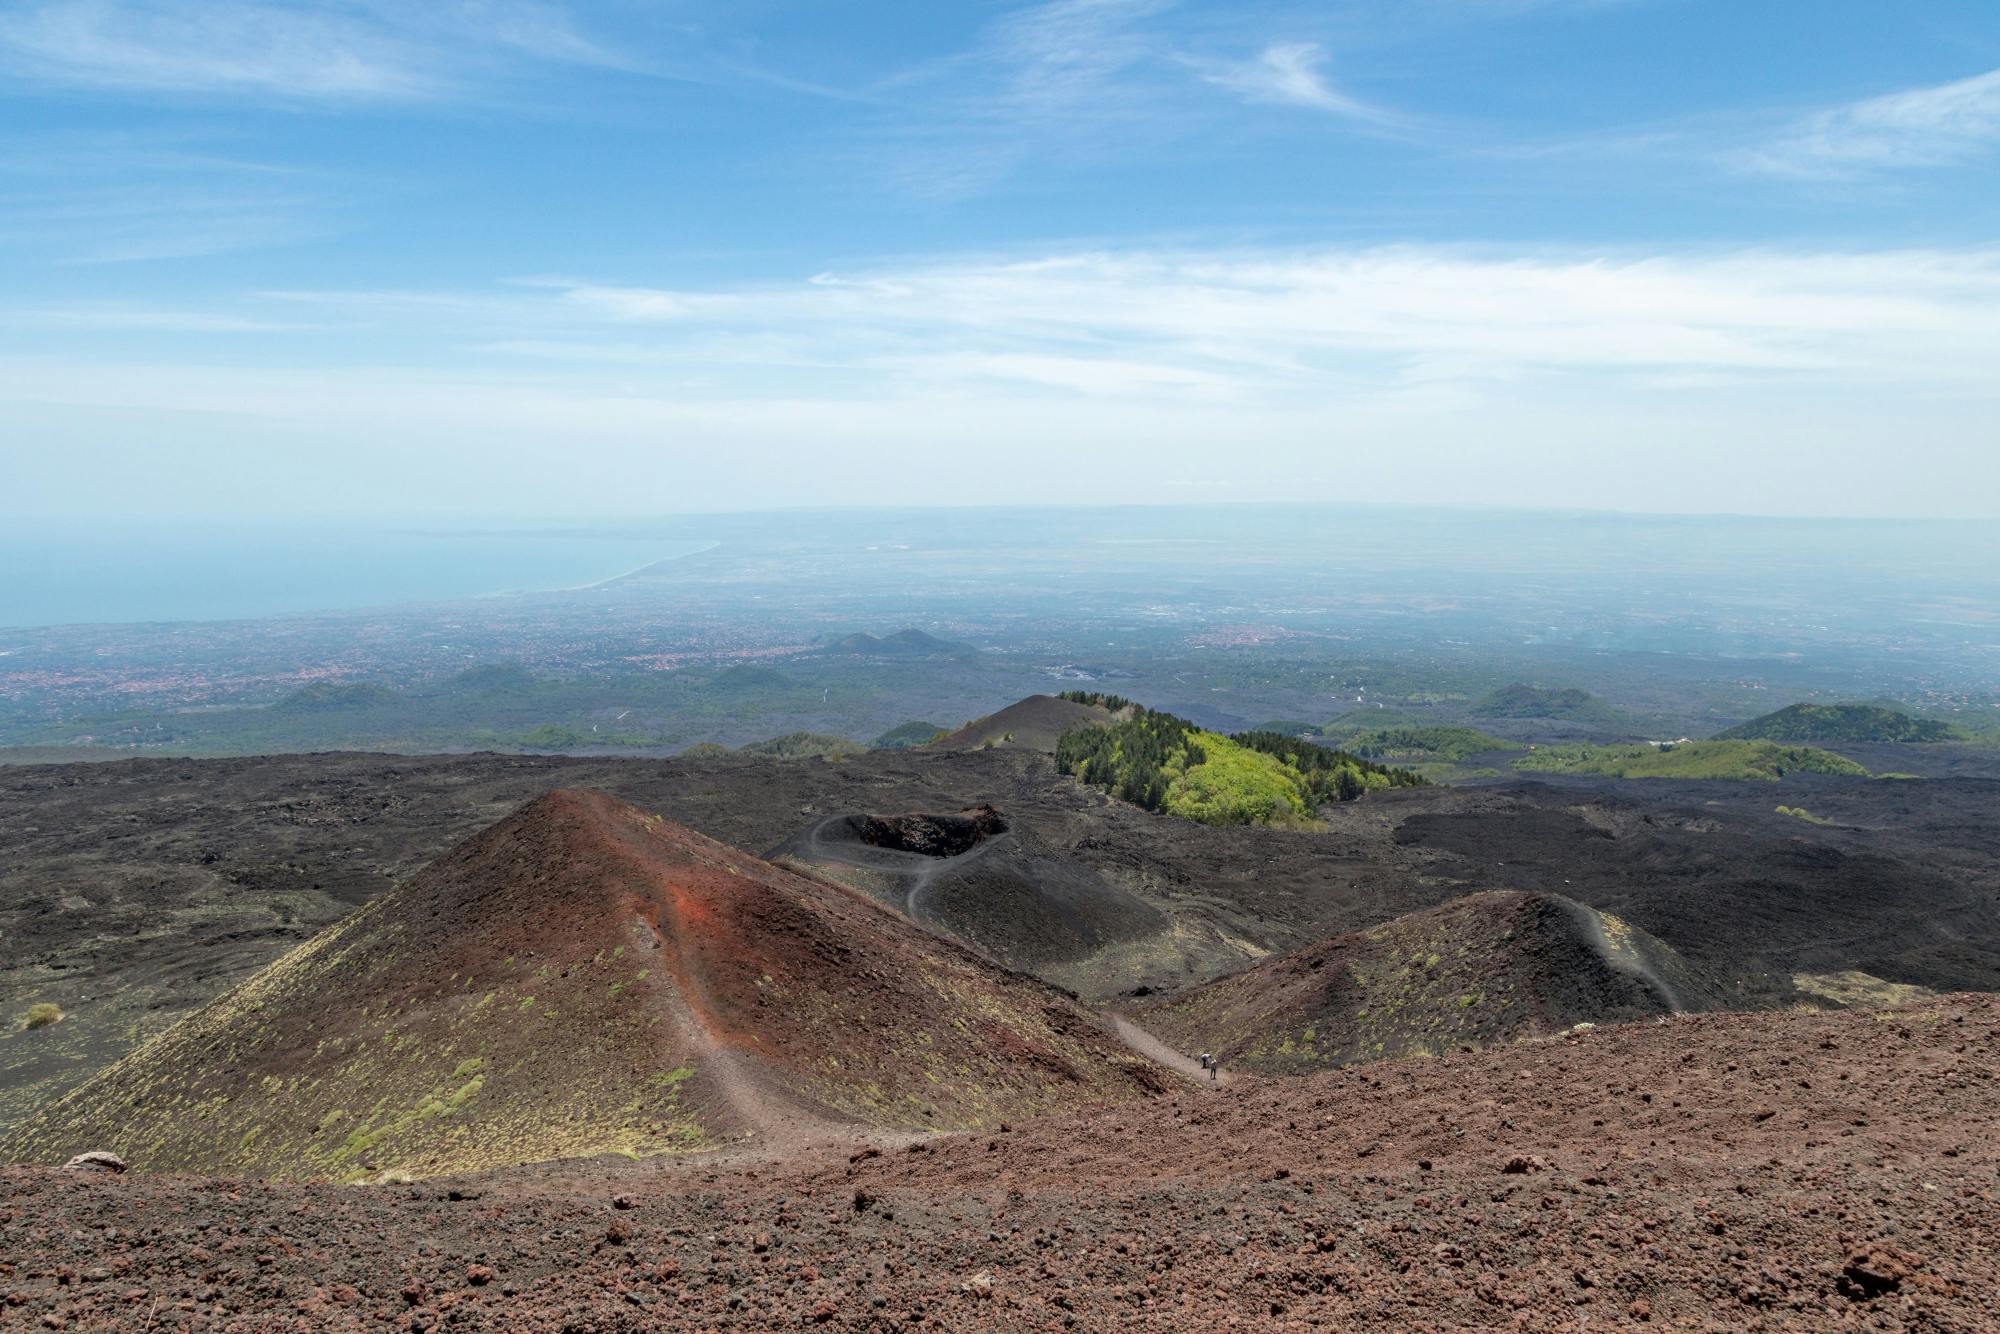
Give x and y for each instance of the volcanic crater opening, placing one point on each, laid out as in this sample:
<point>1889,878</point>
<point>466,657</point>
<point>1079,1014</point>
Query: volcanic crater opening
<point>931,835</point>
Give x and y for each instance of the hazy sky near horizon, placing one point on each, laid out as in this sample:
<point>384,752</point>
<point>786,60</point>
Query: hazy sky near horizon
<point>300,257</point>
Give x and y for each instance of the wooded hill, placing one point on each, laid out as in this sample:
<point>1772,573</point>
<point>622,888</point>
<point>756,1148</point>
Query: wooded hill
<point>1166,763</point>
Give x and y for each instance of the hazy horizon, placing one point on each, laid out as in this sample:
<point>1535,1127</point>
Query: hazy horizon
<point>162,570</point>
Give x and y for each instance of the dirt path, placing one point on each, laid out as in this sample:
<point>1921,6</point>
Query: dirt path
<point>1628,960</point>
<point>774,1120</point>
<point>1139,1040</point>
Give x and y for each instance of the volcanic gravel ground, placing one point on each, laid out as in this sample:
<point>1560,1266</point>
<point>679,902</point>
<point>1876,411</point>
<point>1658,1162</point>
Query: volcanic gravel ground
<point>1718,1172</point>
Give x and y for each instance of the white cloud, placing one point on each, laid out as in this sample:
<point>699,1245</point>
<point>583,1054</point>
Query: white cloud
<point>1302,321</point>
<point>1311,326</point>
<point>1672,381</point>
<point>1290,73</point>
<point>1077,83</point>
<point>1066,55</point>
<point>1058,83</point>
<point>1920,127</point>
<point>335,51</point>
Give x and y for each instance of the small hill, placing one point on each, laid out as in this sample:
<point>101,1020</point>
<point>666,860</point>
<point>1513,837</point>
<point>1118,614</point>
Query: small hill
<point>1164,763</point>
<point>1525,701</point>
<point>803,746</point>
<point>1758,761</point>
<point>1483,969</point>
<point>902,644</point>
<point>584,978</point>
<point>1831,724</point>
<point>335,697</point>
<point>907,735</point>
<point>1035,723</point>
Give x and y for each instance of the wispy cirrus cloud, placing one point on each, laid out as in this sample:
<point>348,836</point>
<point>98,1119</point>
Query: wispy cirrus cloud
<point>1920,127</point>
<point>1078,83</point>
<point>285,51</point>
<point>1055,58</point>
<point>1293,74</point>
<point>1304,326</point>
<point>99,317</point>
<point>88,197</point>
<point>1058,83</point>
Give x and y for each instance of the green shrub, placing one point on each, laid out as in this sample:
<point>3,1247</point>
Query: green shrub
<point>1096,699</point>
<point>43,1014</point>
<point>1233,785</point>
<point>1328,774</point>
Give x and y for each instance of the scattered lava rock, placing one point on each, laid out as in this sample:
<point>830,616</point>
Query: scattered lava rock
<point>1877,1269</point>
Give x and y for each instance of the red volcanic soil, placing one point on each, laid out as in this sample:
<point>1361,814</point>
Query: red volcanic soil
<point>585,978</point>
<point>1792,1171</point>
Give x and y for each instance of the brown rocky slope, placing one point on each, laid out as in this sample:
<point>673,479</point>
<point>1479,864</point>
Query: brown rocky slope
<point>1485,968</point>
<point>1783,1171</point>
<point>586,978</point>
<point>1034,723</point>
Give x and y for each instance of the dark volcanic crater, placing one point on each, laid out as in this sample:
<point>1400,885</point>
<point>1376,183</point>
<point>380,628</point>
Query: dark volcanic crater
<point>969,876</point>
<point>929,835</point>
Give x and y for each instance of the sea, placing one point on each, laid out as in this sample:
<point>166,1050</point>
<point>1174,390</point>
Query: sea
<point>88,574</point>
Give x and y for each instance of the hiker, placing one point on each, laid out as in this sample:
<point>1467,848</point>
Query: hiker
<point>1210,1064</point>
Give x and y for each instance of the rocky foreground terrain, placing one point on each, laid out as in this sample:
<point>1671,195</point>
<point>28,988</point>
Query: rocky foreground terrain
<point>1805,1171</point>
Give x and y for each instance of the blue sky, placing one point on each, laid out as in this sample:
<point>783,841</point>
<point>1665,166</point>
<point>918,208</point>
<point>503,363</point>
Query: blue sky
<point>367,256</point>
